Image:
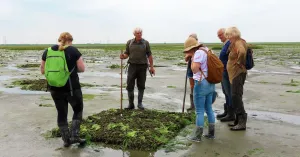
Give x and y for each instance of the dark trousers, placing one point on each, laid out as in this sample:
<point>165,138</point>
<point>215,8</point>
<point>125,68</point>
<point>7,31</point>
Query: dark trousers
<point>61,100</point>
<point>136,72</point>
<point>237,88</point>
<point>226,88</point>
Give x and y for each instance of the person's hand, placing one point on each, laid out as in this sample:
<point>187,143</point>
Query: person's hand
<point>122,56</point>
<point>187,58</point>
<point>152,70</point>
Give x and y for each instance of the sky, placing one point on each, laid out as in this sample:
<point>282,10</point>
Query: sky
<point>170,21</point>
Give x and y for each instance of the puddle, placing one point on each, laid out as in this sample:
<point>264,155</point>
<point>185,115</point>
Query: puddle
<point>296,67</point>
<point>271,72</point>
<point>18,90</point>
<point>273,116</point>
<point>13,67</point>
<point>101,74</point>
<point>5,77</point>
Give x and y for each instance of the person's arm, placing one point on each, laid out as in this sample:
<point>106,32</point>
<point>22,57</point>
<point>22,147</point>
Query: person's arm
<point>197,60</point>
<point>126,53</point>
<point>80,65</point>
<point>150,57</point>
<point>42,66</point>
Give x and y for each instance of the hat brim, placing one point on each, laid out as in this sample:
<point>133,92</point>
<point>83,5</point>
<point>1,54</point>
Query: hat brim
<point>191,47</point>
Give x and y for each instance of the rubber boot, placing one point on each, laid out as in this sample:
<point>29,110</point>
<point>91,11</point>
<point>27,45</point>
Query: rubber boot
<point>75,133</point>
<point>65,135</point>
<point>197,134</point>
<point>140,100</point>
<point>192,103</point>
<point>131,99</point>
<point>219,116</point>
<point>211,131</point>
<point>242,120</point>
<point>230,115</point>
<point>235,122</point>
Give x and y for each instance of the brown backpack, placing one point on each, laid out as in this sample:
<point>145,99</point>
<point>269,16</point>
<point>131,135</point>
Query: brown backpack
<point>215,67</point>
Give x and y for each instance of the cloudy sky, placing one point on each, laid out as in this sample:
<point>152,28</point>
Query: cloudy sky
<point>112,21</point>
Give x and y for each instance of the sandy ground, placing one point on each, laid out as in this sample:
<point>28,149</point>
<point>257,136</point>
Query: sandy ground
<point>273,114</point>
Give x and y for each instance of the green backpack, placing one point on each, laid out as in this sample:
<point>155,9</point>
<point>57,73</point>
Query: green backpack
<point>56,68</point>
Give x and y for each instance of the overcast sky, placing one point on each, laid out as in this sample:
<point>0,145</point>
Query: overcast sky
<point>95,21</point>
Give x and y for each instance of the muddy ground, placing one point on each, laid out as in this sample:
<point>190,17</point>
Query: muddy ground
<point>273,113</point>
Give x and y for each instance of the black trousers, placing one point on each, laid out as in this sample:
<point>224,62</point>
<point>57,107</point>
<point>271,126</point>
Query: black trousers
<point>61,100</point>
<point>136,72</point>
<point>237,89</point>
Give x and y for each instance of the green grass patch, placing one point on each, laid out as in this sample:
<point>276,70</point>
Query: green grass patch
<point>291,91</point>
<point>88,96</point>
<point>146,130</point>
<point>256,151</point>
<point>292,83</point>
<point>87,85</point>
<point>182,64</point>
<point>114,66</point>
<point>171,86</point>
<point>33,85</point>
<point>28,65</point>
<point>46,105</point>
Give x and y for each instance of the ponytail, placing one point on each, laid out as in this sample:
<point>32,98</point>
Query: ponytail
<point>63,39</point>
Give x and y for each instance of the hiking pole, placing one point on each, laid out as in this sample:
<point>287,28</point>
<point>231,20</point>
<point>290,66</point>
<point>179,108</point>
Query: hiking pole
<point>185,88</point>
<point>121,83</point>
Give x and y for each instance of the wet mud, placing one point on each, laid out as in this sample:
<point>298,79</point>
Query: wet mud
<point>273,112</point>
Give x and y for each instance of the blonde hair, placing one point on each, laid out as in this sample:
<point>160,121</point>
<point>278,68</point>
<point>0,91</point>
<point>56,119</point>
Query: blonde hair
<point>137,30</point>
<point>63,39</point>
<point>232,32</point>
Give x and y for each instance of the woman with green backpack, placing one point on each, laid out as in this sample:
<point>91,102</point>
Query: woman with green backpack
<point>60,65</point>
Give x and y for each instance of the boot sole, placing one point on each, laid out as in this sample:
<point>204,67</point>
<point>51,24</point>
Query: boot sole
<point>242,129</point>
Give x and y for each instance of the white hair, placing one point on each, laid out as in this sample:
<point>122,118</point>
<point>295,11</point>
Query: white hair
<point>137,30</point>
<point>194,35</point>
<point>232,32</point>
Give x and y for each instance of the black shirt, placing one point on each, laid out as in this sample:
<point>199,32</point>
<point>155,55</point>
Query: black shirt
<point>72,55</point>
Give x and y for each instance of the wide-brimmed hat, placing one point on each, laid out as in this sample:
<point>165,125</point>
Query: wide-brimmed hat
<point>190,43</point>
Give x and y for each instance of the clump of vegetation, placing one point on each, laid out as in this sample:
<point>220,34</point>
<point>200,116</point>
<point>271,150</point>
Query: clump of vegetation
<point>46,105</point>
<point>39,84</point>
<point>183,64</point>
<point>88,96</point>
<point>291,91</point>
<point>134,129</point>
<point>28,66</point>
<point>171,86</point>
<point>34,85</point>
<point>292,83</point>
<point>114,66</point>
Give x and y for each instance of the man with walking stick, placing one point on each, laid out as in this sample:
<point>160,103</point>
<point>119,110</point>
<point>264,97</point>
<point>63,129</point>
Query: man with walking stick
<point>140,57</point>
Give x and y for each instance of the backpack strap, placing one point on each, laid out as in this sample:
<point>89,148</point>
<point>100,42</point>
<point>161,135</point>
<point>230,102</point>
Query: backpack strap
<point>70,82</point>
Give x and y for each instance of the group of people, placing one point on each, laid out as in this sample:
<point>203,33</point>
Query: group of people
<point>233,57</point>
<point>140,60</point>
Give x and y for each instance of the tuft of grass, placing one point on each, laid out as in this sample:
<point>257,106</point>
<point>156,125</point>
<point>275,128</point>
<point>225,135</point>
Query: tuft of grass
<point>292,83</point>
<point>171,86</point>
<point>114,66</point>
<point>46,105</point>
<point>290,91</point>
<point>256,151</point>
<point>28,66</point>
<point>88,96</point>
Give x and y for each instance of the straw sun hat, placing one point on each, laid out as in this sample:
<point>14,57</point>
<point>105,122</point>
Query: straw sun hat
<point>190,43</point>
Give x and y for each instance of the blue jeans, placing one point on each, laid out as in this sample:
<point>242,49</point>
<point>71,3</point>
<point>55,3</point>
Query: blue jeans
<point>226,87</point>
<point>203,93</point>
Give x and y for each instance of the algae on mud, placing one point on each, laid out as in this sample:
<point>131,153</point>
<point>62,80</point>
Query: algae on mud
<point>136,129</point>
<point>39,84</point>
<point>28,66</point>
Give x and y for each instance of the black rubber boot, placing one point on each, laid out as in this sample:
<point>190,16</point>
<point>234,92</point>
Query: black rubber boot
<point>65,135</point>
<point>140,99</point>
<point>192,103</point>
<point>197,134</point>
<point>75,133</point>
<point>242,120</point>
<point>235,122</point>
<point>230,115</point>
<point>131,99</point>
<point>211,132</point>
<point>219,116</point>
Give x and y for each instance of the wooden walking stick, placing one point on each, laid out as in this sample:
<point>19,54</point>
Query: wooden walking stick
<point>185,88</point>
<point>121,83</point>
